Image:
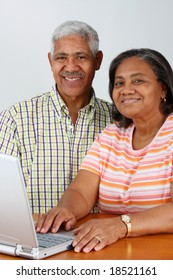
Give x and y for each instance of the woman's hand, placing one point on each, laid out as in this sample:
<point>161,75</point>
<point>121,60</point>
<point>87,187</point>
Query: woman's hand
<point>54,218</point>
<point>96,234</point>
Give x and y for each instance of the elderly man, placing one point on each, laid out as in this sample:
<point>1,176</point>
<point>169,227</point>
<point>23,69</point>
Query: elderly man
<point>52,132</point>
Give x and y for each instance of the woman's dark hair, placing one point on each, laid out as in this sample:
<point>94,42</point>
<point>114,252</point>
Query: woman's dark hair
<point>160,67</point>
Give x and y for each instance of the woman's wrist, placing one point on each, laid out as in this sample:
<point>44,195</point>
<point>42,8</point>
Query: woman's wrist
<point>122,228</point>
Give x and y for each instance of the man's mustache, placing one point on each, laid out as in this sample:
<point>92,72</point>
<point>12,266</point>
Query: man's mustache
<point>72,74</point>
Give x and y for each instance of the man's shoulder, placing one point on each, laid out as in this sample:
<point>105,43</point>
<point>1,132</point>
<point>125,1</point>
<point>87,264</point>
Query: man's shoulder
<point>28,104</point>
<point>102,102</point>
<point>39,98</point>
<point>104,108</point>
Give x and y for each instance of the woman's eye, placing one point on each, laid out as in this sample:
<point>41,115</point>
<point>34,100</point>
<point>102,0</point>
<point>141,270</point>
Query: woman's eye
<point>118,84</point>
<point>138,81</point>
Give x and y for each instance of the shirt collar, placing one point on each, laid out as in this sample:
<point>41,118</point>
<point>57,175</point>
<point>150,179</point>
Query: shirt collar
<point>61,107</point>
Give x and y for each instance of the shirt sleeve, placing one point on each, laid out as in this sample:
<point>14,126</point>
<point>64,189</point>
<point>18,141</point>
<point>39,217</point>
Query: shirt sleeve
<point>9,143</point>
<point>92,159</point>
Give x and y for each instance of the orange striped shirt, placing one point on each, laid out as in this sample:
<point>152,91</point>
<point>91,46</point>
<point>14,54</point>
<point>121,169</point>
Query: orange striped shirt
<point>131,180</point>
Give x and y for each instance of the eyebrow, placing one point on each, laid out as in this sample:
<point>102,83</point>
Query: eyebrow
<point>132,75</point>
<point>76,53</point>
<point>60,53</point>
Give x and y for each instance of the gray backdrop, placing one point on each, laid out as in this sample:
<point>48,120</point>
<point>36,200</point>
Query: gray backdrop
<point>26,27</point>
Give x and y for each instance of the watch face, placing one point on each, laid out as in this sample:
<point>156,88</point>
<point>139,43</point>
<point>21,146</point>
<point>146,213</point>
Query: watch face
<point>126,218</point>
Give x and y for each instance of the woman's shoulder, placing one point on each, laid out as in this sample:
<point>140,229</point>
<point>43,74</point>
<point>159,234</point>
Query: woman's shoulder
<point>115,128</point>
<point>168,124</point>
<point>115,132</point>
<point>170,117</point>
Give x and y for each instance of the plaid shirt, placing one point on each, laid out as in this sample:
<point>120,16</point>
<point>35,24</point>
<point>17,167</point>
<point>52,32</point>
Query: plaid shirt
<point>40,132</point>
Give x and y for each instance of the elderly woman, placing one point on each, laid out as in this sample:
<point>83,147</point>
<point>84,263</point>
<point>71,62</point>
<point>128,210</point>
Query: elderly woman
<point>129,167</point>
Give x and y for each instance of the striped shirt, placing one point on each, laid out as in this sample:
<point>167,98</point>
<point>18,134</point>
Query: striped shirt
<point>131,180</point>
<point>40,132</point>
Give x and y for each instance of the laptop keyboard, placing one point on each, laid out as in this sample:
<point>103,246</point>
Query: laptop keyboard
<point>48,240</point>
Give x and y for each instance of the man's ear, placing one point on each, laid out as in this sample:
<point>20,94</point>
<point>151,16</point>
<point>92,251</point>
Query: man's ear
<point>50,59</point>
<point>99,57</point>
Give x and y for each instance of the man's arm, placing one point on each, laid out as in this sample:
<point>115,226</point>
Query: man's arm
<point>8,135</point>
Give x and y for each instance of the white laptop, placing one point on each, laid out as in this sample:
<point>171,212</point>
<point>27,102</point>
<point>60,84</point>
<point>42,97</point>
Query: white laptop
<point>17,232</point>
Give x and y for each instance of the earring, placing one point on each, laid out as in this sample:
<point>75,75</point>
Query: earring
<point>164,99</point>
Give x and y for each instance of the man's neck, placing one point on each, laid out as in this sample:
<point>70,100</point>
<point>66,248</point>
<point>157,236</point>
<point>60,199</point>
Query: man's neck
<point>74,104</point>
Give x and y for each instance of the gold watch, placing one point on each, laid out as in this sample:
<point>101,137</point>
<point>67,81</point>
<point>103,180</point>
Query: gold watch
<point>127,221</point>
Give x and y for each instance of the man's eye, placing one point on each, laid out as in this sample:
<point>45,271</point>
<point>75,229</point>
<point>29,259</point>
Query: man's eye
<point>81,57</point>
<point>61,58</point>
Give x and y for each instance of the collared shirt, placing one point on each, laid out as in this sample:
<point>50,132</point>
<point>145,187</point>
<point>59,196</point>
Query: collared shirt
<point>40,132</point>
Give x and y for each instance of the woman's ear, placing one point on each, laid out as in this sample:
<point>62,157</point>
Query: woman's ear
<point>164,91</point>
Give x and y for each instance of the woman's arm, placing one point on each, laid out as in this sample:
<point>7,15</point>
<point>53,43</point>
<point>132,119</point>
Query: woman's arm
<point>76,202</point>
<point>96,234</point>
<point>155,220</point>
<point>158,219</point>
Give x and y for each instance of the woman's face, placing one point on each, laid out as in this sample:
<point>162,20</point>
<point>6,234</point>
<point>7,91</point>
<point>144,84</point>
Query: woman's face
<point>137,93</point>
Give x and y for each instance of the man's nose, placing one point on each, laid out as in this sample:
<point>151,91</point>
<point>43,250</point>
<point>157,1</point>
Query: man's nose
<point>71,63</point>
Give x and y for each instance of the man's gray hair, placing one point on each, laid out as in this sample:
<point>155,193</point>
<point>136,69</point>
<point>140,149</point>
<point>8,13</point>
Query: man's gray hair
<point>78,28</point>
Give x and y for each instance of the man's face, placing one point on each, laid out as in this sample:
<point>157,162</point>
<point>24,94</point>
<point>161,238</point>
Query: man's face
<point>73,66</point>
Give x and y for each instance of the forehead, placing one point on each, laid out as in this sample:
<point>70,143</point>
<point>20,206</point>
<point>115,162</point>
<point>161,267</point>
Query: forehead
<point>134,65</point>
<point>71,44</point>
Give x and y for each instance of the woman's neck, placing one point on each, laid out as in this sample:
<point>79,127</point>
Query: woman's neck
<point>145,131</point>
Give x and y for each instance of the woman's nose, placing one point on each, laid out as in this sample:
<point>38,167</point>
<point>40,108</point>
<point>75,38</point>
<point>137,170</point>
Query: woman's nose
<point>128,89</point>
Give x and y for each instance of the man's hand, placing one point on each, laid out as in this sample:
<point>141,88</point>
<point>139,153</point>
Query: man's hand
<point>54,218</point>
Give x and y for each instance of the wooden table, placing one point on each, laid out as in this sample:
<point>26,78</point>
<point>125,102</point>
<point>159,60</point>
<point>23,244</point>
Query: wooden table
<point>151,247</point>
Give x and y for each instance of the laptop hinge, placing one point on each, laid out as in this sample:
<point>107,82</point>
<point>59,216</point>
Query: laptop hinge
<point>26,252</point>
